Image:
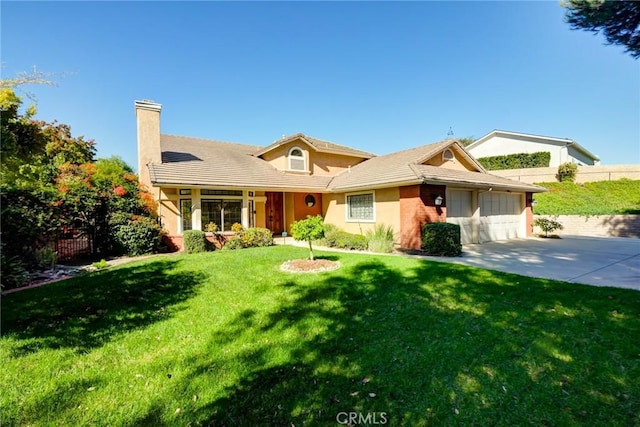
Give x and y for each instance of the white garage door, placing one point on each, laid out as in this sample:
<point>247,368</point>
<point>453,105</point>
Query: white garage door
<point>500,216</point>
<point>459,211</point>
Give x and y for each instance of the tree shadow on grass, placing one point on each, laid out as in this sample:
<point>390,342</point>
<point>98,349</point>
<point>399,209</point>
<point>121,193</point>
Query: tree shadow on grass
<point>438,344</point>
<point>87,311</point>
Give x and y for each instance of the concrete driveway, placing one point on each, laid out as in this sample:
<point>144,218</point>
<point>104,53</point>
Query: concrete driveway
<point>600,261</point>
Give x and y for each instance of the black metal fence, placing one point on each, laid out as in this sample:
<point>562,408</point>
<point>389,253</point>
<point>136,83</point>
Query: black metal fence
<point>72,245</point>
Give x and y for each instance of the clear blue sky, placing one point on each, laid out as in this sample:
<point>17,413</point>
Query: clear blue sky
<point>372,75</point>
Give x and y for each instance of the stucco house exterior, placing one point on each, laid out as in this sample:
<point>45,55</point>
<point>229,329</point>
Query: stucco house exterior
<point>199,181</point>
<point>563,150</point>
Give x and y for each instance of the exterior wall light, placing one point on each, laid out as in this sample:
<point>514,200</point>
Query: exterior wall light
<point>438,200</point>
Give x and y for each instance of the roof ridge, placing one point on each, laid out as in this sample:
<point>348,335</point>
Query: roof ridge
<point>335,143</point>
<point>254,146</point>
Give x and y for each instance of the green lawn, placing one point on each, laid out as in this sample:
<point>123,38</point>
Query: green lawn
<point>226,338</point>
<point>591,198</point>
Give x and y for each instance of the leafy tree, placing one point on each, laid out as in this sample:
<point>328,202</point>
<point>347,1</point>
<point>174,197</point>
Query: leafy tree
<point>466,141</point>
<point>548,225</point>
<point>618,20</point>
<point>308,229</point>
<point>567,172</point>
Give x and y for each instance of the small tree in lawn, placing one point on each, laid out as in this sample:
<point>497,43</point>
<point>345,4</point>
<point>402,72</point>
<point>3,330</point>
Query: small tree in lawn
<point>308,229</point>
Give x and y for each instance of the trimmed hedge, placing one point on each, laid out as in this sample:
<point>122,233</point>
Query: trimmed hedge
<point>337,238</point>
<point>441,239</point>
<point>195,241</point>
<point>540,159</point>
<point>139,235</point>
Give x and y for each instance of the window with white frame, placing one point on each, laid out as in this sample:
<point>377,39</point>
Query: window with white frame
<point>360,207</point>
<point>447,156</point>
<point>222,212</point>
<point>297,162</point>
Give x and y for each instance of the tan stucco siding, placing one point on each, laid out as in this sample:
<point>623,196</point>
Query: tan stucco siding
<point>317,163</point>
<point>459,162</point>
<point>169,209</point>
<point>326,164</point>
<point>259,206</point>
<point>387,211</point>
<point>278,157</point>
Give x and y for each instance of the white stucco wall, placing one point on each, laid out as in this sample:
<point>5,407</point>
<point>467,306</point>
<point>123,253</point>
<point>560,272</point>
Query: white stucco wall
<point>500,145</point>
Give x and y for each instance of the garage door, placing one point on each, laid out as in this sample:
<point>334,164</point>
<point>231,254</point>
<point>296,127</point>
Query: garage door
<point>459,211</point>
<point>500,216</point>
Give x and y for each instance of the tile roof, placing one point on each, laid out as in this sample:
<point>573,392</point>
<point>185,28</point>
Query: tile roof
<point>194,161</point>
<point>404,167</point>
<point>201,162</point>
<point>318,145</point>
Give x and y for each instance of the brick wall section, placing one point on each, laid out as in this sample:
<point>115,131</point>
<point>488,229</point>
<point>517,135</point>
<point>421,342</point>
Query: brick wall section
<point>417,208</point>
<point>585,173</point>
<point>598,225</point>
<point>529,214</point>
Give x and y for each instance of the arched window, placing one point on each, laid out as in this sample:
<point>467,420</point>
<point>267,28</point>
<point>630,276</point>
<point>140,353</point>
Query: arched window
<point>447,156</point>
<point>296,160</point>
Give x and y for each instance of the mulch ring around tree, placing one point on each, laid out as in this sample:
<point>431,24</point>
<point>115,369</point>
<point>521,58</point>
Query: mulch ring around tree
<point>310,266</point>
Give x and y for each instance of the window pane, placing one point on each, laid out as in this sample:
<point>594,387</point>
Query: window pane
<point>296,164</point>
<point>360,206</point>
<point>211,212</point>
<point>296,152</point>
<point>232,213</point>
<point>185,210</point>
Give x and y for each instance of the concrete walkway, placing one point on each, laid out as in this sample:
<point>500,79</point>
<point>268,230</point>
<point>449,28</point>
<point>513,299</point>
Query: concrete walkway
<point>599,261</point>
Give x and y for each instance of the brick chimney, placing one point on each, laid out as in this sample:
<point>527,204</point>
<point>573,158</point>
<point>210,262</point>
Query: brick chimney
<point>148,127</point>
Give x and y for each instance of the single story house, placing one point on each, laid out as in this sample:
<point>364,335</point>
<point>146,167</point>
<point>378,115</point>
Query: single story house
<point>563,150</point>
<point>198,181</point>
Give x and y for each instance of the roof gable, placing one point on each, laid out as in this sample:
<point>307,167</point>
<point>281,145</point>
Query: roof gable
<point>315,144</point>
<point>458,149</point>
<point>408,167</point>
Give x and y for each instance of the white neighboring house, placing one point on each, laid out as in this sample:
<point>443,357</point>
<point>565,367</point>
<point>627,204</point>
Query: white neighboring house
<point>563,150</point>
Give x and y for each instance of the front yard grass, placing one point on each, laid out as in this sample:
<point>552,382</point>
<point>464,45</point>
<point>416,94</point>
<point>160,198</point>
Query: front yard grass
<point>226,338</point>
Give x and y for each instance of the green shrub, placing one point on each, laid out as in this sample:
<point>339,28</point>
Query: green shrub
<point>233,242</point>
<point>236,227</point>
<point>567,172</point>
<point>195,241</point>
<point>540,159</point>
<point>309,229</point>
<point>212,227</point>
<point>46,257</point>
<point>345,240</point>
<point>100,265</point>
<point>441,239</point>
<point>548,225</point>
<point>138,235</point>
<point>381,239</point>
<point>12,272</point>
<point>256,237</point>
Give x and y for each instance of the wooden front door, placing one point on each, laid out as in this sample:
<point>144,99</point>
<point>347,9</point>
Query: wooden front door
<point>273,209</point>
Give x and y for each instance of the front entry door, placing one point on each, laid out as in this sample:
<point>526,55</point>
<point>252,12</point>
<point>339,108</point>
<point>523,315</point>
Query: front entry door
<point>273,212</point>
